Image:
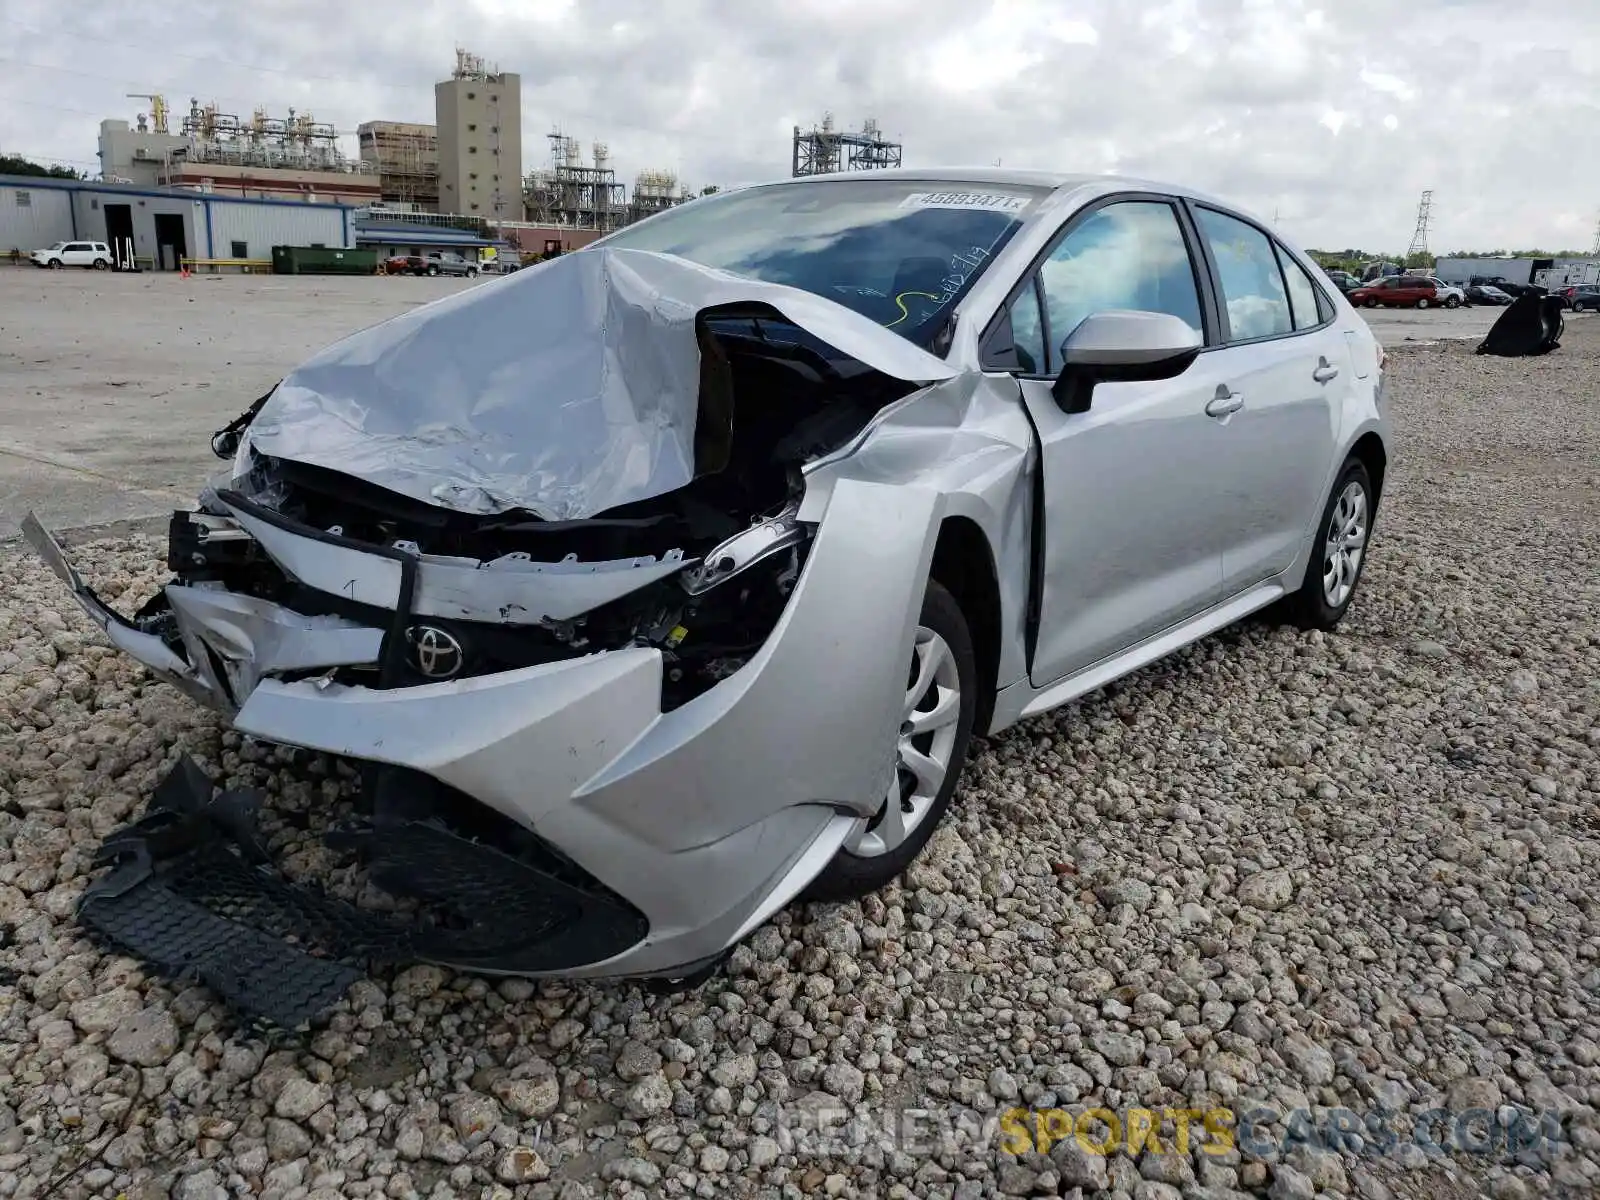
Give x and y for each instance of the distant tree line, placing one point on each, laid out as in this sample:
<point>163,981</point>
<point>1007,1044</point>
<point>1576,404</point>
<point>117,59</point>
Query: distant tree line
<point>1353,260</point>
<point>15,164</point>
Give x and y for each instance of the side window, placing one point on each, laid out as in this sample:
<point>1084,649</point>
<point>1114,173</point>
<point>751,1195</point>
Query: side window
<point>1303,295</point>
<point>1247,272</point>
<point>1129,255</point>
<point>1027,331</point>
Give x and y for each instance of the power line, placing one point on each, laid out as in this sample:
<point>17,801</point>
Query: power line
<point>48,158</point>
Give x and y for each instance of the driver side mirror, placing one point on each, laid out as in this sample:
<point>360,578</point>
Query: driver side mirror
<point>1122,346</point>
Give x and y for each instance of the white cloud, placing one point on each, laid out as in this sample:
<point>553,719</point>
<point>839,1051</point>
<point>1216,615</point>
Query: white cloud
<point>1263,101</point>
<point>1389,85</point>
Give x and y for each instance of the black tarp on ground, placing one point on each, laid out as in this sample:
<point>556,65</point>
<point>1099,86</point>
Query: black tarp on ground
<point>1532,324</point>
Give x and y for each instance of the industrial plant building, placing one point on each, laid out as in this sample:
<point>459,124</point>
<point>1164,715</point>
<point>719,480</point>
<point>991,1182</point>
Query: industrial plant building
<point>213,185</point>
<point>406,157</point>
<point>163,225</point>
<point>479,114</point>
<point>264,157</point>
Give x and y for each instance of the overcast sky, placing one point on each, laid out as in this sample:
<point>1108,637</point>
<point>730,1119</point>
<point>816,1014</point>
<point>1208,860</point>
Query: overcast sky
<point>1331,115</point>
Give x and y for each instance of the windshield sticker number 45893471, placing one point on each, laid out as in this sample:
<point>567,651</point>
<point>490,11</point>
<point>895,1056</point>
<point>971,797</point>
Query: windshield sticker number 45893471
<point>986,201</point>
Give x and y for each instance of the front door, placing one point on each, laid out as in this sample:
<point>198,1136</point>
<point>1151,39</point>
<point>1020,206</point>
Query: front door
<point>1290,367</point>
<point>1130,543</point>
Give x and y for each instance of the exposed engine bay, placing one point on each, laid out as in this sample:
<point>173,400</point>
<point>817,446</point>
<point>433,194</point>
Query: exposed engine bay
<point>772,397</point>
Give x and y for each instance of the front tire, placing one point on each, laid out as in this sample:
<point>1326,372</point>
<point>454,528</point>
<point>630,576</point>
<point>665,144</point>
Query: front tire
<point>1371,302</point>
<point>1329,584</point>
<point>1452,302</point>
<point>1423,302</point>
<point>54,264</point>
<point>936,730</point>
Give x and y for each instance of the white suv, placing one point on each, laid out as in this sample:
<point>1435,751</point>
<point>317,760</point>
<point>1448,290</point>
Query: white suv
<point>1450,295</point>
<point>74,254</point>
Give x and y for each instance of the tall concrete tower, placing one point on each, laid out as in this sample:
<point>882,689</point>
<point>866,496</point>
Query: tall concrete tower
<point>478,111</point>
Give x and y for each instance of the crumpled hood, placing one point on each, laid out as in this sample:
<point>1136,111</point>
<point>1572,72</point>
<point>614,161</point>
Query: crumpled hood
<point>565,389</point>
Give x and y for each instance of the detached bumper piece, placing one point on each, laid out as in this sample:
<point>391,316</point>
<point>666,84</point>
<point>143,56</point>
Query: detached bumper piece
<point>192,893</point>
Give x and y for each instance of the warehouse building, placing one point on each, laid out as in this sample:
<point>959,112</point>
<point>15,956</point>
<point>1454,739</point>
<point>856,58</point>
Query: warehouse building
<point>164,225</point>
<point>391,237</point>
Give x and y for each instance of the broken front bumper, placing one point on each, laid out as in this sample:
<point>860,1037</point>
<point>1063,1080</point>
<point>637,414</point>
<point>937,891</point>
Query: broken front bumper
<point>705,819</point>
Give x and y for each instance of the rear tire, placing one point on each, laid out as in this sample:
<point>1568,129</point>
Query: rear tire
<point>942,630</point>
<point>1339,554</point>
<point>1423,302</point>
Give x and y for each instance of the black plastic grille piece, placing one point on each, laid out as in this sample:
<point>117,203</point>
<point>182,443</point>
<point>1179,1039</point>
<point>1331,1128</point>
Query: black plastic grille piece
<point>192,893</point>
<point>254,972</point>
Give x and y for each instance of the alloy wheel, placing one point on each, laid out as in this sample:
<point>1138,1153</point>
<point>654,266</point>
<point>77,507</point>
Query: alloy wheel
<point>1344,544</point>
<point>923,751</point>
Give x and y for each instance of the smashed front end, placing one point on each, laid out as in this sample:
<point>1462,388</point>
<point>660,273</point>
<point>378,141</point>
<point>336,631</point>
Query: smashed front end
<point>531,559</point>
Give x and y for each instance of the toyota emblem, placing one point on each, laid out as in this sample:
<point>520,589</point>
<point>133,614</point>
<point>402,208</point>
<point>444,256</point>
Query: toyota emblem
<point>435,652</point>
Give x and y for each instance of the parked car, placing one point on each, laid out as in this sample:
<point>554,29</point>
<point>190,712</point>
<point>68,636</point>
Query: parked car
<point>665,584</point>
<point>1344,281</point>
<point>450,263</point>
<point>1487,293</point>
<point>432,263</point>
<point>96,255</point>
<point>1583,298</point>
<point>1396,291</point>
<point>1505,285</point>
<point>1447,294</point>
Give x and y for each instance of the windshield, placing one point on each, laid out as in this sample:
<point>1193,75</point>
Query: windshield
<point>899,251</point>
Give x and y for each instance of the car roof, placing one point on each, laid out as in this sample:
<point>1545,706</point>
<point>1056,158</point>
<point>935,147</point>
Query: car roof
<point>1056,181</point>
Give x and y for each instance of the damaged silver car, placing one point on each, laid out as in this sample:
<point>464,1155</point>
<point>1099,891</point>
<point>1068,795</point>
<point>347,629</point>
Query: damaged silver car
<point>662,583</point>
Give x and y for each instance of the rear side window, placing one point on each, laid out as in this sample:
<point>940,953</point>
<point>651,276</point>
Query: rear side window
<point>1303,295</point>
<point>1253,294</point>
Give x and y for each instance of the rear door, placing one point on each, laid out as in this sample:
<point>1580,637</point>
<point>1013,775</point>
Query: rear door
<point>1129,545</point>
<point>1290,367</point>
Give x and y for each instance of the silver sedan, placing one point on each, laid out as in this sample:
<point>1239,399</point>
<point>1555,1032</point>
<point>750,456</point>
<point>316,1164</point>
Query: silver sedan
<point>665,582</point>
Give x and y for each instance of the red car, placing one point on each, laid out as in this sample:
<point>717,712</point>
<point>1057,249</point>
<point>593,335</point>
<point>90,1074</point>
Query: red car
<point>1395,291</point>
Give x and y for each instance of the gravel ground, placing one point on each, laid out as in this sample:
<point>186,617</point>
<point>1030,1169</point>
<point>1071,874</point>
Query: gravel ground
<point>1351,872</point>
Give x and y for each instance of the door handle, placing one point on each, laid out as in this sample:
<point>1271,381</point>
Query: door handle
<point>1325,371</point>
<point>1224,402</point>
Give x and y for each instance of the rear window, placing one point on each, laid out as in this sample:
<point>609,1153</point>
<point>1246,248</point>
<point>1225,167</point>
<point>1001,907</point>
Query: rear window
<point>900,252</point>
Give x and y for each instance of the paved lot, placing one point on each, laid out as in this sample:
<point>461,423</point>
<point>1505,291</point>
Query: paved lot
<point>1280,871</point>
<point>1414,325</point>
<point>111,385</point>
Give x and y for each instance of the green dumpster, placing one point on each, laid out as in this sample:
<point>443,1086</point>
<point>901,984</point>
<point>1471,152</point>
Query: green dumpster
<point>323,260</point>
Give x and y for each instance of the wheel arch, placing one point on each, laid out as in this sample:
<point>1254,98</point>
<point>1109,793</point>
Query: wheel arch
<point>1369,449</point>
<point>964,563</point>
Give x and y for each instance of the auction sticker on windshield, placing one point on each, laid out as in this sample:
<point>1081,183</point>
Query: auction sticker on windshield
<point>986,201</point>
